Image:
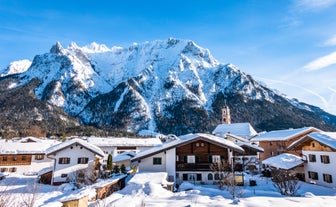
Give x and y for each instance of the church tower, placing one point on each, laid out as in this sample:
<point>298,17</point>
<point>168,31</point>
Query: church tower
<point>226,117</point>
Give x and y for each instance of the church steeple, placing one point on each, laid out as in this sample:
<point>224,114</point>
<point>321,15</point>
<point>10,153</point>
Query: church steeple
<point>226,117</point>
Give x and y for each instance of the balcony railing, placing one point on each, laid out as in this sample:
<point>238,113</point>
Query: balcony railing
<point>193,166</point>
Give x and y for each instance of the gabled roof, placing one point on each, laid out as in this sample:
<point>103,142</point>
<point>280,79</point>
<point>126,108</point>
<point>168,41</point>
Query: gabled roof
<point>124,156</point>
<point>239,129</point>
<point>28,145</point>
<point>284,161</point>
<point>123,141</point>
<point>69,142</point>
<point>186,139</point>
<point>241,139</point>
<point>283,135</point>
<point>251,146</point>
<point>325,138</point>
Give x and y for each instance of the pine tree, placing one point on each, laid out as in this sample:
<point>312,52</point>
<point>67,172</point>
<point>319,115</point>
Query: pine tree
<point>109,162</point>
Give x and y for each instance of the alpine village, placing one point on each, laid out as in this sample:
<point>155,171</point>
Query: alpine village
<point>168,119</point>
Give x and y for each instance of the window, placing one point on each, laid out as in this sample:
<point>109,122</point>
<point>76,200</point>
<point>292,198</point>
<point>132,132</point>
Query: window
<point>217,176</point>
<point>216,158</point>
<point>83,160</point>
<point>39,157</point>
<point>325,159</point>
<point>312,158</point>
<point>24,157</point>
<point>327,178</point>
<point>157,160</point>
<point>64,175</point>
<point>63,160</point>
<point>313,175</point>
<point>198,177</point>
<point>210,176</point>
<point>185,176</point>
<point>4,159</point>
<point>191,159</point>
<point>13,169</point>
<point>14,158</point>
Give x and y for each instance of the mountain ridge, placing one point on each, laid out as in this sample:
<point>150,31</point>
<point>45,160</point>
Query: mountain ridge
<point>145,85</point>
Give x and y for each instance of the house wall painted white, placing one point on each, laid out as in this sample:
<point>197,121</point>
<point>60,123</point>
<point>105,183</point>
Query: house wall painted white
<point>168,164</point>
<point>320,168</point>
<point>146,164</point>
<point>74,151</point>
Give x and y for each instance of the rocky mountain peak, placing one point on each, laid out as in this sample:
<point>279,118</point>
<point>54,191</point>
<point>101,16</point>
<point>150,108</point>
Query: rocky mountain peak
<point>57,49</point>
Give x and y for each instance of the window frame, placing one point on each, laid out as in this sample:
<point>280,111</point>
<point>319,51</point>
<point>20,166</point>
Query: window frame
<point>327,178</point>
<point>313,175</point>
<point>157,160</point>
<point>191,159</point>
<point>64,160</point>
<point>312,157</point>
<point>82,160</point>
<point>325,159</point>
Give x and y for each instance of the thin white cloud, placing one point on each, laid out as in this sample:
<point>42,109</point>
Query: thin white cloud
<point>313,5</point>
<point>331,41</point>
<point>321,62</point>
<point>292,86</point>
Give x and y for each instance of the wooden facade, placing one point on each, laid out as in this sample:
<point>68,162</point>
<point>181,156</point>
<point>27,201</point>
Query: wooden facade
<point>15,159</point>
<point>276,147</point>
<point>203,153</point>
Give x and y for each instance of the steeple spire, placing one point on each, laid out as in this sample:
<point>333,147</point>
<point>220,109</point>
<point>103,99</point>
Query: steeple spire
<point>226,117</point>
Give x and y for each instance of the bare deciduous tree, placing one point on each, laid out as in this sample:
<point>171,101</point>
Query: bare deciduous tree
<point>226,177</point>
<point>285,182</point>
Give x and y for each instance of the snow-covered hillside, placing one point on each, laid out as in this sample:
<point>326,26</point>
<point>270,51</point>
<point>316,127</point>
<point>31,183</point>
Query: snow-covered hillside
<point>15,67</point>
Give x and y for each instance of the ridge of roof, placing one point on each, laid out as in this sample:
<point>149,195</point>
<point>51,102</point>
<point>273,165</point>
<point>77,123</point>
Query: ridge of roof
<point>69,142</point>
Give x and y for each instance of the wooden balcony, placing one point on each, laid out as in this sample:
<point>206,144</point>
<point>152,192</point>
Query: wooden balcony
<point>193,166</point>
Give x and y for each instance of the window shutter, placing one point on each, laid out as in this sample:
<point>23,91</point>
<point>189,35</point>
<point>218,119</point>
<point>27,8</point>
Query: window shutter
<point>210,158</point>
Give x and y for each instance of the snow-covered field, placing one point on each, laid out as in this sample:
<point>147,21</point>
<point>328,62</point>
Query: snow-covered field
<point>146,190</point>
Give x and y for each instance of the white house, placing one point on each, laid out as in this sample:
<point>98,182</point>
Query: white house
<point>187,158</point>
<point>24,155</point>
<point>244,130</point>
<point>118,145</point>
<point>319,153</point>
<point>71,156</point>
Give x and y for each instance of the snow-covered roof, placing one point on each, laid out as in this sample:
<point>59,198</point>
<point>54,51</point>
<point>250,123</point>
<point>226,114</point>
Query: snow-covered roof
<point>123,156</point>
<point>123,141</point>
<point>282,135</point>
<point>239,129</point>
<point>284,161</point>
<point>70,142</point>
<point>187,139</point>
<point>250,145</point>
<point>28,145</point>
<point>112,180</point>
<point>326,138</point>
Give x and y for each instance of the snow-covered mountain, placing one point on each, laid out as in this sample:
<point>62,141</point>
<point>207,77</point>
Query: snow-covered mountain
<point>172,86</point>
<point>15,67</point>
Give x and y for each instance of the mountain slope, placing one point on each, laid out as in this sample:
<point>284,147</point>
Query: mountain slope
<point>171,86</point>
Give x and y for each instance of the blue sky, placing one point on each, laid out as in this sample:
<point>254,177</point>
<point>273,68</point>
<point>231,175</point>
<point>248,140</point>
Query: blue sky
<point>289,44</point>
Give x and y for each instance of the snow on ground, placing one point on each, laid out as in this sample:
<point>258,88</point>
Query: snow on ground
<point>146,189</point>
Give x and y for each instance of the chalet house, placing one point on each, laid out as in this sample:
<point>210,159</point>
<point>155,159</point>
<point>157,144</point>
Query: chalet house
<point>319,153</point>
<point>117,145</point>
<point>24,156</point>
<point>187,158</point>
<point>277,142</point>
<point>71,156</point>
